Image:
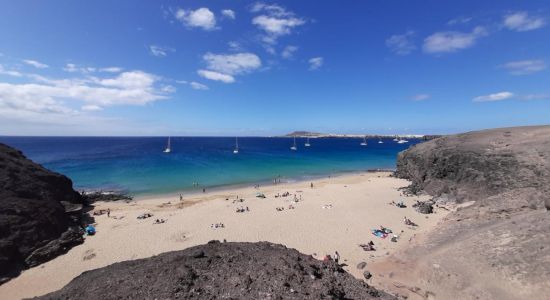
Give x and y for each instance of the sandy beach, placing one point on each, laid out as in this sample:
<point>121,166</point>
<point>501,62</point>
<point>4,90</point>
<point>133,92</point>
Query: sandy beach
<point>337,214</point>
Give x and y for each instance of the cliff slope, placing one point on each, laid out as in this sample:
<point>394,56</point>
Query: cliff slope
<point>34,223</point>
<point>496,244</point>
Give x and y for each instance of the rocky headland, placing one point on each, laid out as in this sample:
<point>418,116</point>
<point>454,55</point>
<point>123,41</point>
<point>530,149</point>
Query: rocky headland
<point>496,244</point>
<point>39,213</point>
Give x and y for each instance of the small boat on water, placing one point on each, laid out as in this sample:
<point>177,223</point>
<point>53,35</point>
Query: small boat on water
<point>307,144</point>
<point>236,150</point>
<point>396,139</point>
<point>402,141</point>
<point>364,143</point>
<point>168,149</point>
<point>293,148</point>
<point>380,141</point>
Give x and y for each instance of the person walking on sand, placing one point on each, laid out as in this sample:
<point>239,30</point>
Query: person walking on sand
<point>336,256</point>
<point>204,190</point>
<point>108,212</point>
<point>312,185</point>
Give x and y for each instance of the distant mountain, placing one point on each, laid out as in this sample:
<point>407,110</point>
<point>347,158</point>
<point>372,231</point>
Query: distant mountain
<point>305,133</point>
<point>333,135</point>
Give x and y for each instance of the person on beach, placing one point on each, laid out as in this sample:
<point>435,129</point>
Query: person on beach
<point>311,185</point>
<point>336,256</point>
<point>204,190</point>
<point>108,212</point>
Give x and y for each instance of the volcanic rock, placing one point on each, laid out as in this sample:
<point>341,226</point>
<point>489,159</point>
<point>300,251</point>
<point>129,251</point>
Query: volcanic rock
<point>223,271</point>
<point>493,243</point>
<point>35,218</point>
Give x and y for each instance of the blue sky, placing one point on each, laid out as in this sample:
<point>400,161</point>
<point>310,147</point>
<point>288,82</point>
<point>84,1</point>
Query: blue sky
<point>264,68</point>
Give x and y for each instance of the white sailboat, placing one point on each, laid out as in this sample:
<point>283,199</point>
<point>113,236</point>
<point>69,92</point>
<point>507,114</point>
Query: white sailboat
<point>168,148</point>
<point>293,148</point>
<point>396,139</point>
<point>236,150</point>
<point>364,143</point>
<point>380,141</point>
<point>402,141</point>
<point>307,144</point>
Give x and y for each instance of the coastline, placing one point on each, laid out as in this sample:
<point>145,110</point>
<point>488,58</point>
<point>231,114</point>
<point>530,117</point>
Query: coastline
<point>337,214</point>
<point>225,188</point>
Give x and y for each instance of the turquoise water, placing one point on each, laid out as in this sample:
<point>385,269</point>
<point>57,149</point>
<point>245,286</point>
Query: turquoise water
<point>137,164</point>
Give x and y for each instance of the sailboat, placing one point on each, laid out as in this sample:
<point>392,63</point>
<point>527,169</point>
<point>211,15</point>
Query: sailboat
<point>364,143</point>
<point>293,148</point>
<point>396,139</point>
<point>380,141</point>
<point>168,149</point>
<point>307,144</point>
<point>402,141</point>
<point>236,151</point>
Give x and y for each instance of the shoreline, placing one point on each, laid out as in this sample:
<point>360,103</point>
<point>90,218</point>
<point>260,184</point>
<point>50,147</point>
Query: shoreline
<point>337,214</point>
<point>194,191</point>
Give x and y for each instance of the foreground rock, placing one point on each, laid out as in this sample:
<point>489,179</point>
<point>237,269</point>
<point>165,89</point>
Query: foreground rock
<point>221,271</point>
<point>39,213</point>
<point>496,244</point>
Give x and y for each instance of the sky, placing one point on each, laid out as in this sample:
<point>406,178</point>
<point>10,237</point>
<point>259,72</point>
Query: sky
<point>224,68</point>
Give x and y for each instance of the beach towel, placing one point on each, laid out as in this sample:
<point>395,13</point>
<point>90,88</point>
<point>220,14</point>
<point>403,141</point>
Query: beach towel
<point>379,233</point>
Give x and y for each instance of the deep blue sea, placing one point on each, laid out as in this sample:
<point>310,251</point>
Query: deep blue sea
<point>138,165</point>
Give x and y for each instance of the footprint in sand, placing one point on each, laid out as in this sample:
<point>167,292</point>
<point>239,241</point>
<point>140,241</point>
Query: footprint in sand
<point>180,236</point>
<point>89,254</point>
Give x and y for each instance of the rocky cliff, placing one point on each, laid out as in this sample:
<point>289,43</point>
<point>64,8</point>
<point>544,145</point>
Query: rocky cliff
<point>39,213</point>
<point>496,244</point>
<point>221,271</point>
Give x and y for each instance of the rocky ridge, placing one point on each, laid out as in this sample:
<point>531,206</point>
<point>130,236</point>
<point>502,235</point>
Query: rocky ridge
<point>39,213</point>
<point>221,271</point>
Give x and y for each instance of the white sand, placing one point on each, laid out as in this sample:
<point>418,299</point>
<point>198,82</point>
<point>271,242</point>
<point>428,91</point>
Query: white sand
<point>359,203</point>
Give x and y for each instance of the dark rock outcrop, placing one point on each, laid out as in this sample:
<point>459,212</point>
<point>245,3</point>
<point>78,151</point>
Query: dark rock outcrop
<point>477,165</point>
<point>495,242</point>
<point>221,271</point>
<point>37,209</point>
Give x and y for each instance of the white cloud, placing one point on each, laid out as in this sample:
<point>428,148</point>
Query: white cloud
<point>232,63</point>
<point>234,46</point>
<point>452,41</point>
<point>494,97</point>
<point>44,98</point>
<point>195,85</point>
<point>521,21</point>
<point>275,21</point>
<point>111,70</point>
<point>401,44</point>
<point>198,86</point>
<point>421,97</point>
<point>202,18</point>
<point>459,20</point>
<point>212,75</point>
<point>535,97</point>
<point>524,67</point>
<point>13,73</point>
<point>160,51</point>
<point>288,52</point>
<point>35,64</point>
<point>315,63</point>
<point>228,13</point>
<point>72,68</point>
<point>91,108</point>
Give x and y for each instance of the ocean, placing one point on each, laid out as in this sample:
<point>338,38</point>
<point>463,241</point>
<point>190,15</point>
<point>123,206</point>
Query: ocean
<point>138,166</point>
